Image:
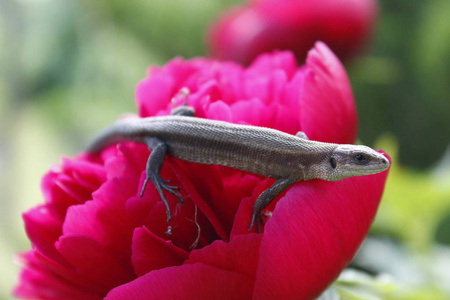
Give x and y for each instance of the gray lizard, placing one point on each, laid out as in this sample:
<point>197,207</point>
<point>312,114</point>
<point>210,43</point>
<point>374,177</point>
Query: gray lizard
<point>259,150</point>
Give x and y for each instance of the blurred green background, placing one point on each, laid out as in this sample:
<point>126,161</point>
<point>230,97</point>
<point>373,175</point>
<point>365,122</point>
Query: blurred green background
<point>68,68</point>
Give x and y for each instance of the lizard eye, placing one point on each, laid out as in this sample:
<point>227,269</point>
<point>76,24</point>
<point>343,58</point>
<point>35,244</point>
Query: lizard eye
<point>360,159</point>
<point>333,162</point>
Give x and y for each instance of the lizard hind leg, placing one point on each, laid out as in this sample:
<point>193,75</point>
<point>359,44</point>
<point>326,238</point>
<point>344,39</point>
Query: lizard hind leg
<point>264,200</point>
<point>153,169</point>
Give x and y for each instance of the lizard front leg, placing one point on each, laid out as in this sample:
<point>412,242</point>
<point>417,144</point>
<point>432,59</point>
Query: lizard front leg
<point>302,135</point>
<point>265,198</point>
<point>153,169</point>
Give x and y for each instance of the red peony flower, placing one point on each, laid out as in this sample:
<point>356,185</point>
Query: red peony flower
<point>243,33</point>
<point>95,238</point>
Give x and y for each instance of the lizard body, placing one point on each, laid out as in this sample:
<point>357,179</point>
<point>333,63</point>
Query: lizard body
<point>259,150</point>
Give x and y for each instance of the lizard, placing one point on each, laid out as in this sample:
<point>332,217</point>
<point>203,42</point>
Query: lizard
<point>263,151</point>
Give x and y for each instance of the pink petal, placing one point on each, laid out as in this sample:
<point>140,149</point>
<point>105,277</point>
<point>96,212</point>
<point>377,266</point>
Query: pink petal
<point>194,281</point>
<point>56,197</point>
<point>219,111</point>
<point>243,33</point>
<point>150,252</point>
<point>43,229</point>
<point>103,219</point>
<point>88,174</point>
<point>253,111</point>
<point>92,261</point>
<point>343,25</point>
<point>228,38</point>
<point>328,112</point>
<point>69,184</point>
<point>125,159</point>
<point>46,279</point>
<point>156,88</point>
<point>278,60</point>
<point>38,284</point>
<point>241,254</point>
<point>266,77</point>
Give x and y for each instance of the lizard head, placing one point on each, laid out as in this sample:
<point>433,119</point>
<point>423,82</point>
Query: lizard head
<point>354,160</point>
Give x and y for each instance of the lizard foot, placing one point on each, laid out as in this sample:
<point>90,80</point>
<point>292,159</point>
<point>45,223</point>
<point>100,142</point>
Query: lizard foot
<point>257,220</point>
<point>154,165</point>
<point>160,185</point>
<point>264,200</point>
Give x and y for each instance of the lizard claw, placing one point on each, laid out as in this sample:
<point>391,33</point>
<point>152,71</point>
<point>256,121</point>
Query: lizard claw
<point>257,220</point>
<point>144,186</point>
<point>172,190</point>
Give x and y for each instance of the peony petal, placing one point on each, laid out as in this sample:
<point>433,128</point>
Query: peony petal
<point>193,281</point>
<point>241,254</point>
<point>230,77</point>
<point>43,229</point>
<point>343,25</point>
<point>69,184</point>
<point>79,178</point>
<point>73,189</point>
<point>50,279</point>
<point>38,283</point>
<point>56,198</point>
<point>157,88</point>
<point>267,73</point>
<point>87,173</point>
<point>92,261</point>
<point>103,218</point>
<point>150,252</point>
<point>125,159</point>
<point>316,228</point>
<point>243,33</point>
<point>228,41</point>
<point>253,111</point>
<point>266,63</point>
<point>219,111</point>
<point>328,112</point>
